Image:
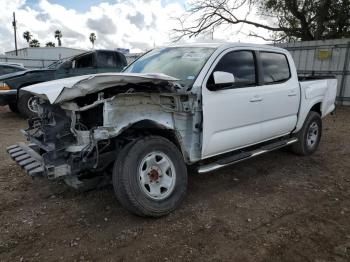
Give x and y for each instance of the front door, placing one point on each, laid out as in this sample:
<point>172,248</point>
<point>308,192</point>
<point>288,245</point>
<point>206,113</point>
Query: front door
<point>232,112</point>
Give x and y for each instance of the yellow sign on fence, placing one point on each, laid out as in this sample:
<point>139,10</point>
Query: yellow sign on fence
<point>323,54</point>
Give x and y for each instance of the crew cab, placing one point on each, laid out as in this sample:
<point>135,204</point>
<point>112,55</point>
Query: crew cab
<point>97,61</point>
<point>204,106</point>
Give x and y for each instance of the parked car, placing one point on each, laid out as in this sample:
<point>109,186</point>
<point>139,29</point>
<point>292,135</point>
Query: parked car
<point>8,68</point>
<point>199,105</point>
<point>97,61</point>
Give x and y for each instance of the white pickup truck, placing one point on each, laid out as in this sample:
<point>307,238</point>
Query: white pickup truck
<point>200,105</point>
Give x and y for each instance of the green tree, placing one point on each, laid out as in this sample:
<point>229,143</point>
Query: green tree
<point>50,44</point>
<point>92,39</point>
<point>285,19</point>
<point>34,43</point>
<point>58,35</point>
<point>27,36</point>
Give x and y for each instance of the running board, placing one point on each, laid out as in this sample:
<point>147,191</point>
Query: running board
<point>233,159</point>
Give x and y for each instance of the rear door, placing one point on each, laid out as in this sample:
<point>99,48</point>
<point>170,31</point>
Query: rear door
<point>280,95</point>
<point>231,113</point>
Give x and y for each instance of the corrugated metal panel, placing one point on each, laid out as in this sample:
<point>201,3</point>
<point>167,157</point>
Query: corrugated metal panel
<point>26,62</point>
<point>328,57</point>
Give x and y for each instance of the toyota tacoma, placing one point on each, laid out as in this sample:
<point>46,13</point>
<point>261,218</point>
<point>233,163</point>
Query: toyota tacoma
<point>203,106</point>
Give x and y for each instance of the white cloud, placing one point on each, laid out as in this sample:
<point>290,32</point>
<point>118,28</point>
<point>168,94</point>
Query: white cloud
<point>135,24</point>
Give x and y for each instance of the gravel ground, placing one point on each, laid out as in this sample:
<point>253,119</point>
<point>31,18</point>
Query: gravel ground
<point>277,207</point>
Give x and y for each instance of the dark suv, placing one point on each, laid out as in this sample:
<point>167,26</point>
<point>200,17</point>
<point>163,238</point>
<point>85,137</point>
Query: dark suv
<point>93,62</point>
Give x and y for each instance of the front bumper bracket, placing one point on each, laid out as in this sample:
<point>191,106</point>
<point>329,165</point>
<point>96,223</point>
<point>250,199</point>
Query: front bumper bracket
<point>27,158</point>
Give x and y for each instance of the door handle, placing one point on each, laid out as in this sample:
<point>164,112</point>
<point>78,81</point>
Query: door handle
<point>292,93</point>
<point>256,99</point>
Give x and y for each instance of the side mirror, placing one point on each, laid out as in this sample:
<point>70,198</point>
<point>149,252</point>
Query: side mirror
<point>222,78</point>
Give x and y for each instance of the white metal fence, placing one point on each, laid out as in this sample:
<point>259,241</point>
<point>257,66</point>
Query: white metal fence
<point>320,58</point>
<point>41,63</point>
<point>27,62</point>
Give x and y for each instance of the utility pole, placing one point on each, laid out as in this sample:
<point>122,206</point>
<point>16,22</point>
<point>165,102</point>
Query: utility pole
<point>15,31</point>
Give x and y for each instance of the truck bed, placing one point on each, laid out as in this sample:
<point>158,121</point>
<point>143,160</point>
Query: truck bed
<point>316,90</point>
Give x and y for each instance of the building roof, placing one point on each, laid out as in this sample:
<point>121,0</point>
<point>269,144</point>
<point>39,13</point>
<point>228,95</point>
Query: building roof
<point>45,47</point>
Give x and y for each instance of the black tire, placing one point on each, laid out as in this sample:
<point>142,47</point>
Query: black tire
<point>302,147</point>
<point>13,108</point>
<point>22,105</point>
<point>127,185</point>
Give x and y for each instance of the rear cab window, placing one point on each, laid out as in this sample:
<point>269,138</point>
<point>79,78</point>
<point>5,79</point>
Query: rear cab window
<point>110,60</point>
<point>85,61</point>
<point>275,67</point>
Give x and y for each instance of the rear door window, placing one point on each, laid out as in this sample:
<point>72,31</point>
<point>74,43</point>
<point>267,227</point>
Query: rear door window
<point>275,67</point>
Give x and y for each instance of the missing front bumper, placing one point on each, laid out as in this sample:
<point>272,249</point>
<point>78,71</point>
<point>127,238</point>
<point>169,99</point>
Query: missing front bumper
<point>27,158</point>
<point>33,163</point>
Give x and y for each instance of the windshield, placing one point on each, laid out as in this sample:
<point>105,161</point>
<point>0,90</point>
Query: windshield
<point>183,63</point>
<point>56,64</point>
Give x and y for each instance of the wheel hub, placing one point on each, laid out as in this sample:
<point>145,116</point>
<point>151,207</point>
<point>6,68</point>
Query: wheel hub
<point>154,174</point>
<point>312,135</point>
<point>157,175</point>
<point>33,104</point>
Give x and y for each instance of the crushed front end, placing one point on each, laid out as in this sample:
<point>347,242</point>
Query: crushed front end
<point>80,129</point>
<point>62,146</point>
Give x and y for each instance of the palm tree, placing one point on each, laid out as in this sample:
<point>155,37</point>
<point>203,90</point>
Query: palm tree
<point>34,43</point>
<point>58,35</point>
<point>50,44</point>
<point>92,38</point>
<point>27,36</point>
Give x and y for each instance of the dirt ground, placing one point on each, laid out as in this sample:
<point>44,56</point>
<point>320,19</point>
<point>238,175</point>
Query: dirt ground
<point>277,207</point>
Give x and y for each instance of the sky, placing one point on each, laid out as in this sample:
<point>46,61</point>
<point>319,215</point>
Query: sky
<point>138,25</point>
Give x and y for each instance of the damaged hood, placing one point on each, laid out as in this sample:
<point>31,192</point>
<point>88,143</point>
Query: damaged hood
<point>58,91</point>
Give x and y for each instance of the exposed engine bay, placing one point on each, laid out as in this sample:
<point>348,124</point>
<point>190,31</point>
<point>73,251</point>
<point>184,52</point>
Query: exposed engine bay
<point>80,138</point>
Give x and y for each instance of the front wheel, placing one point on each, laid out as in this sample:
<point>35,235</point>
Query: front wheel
<point>28,105</point>
<point>309,136</point>
<point>150,177</point>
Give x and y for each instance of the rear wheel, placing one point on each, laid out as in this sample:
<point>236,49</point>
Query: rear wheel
<point>27,105</point>
<point>150,177</point>
<point>309,136</point>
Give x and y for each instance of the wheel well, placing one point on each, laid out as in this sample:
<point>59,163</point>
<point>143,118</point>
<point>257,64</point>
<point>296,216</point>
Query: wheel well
<point>316,108</point>
<point>24,85</point>
<point>28,84</point>
<point>149,127</point>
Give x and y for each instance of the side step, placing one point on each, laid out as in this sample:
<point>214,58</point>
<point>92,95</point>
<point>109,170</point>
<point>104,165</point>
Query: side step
<point>230,160</point>
<point>27,158</point>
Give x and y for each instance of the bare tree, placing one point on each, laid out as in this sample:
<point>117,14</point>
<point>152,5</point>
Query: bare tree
<point>291,19</point>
